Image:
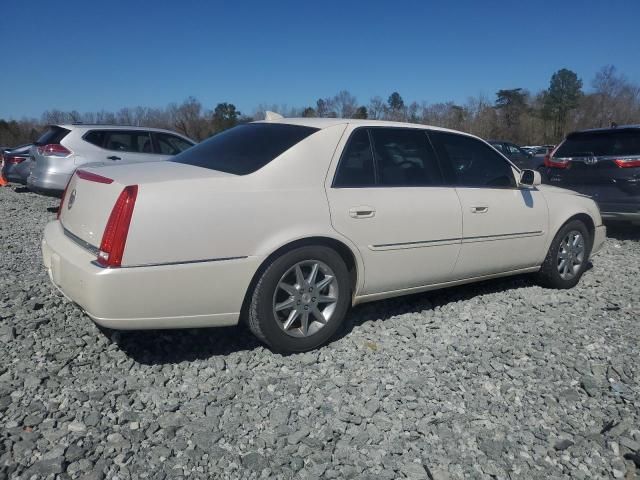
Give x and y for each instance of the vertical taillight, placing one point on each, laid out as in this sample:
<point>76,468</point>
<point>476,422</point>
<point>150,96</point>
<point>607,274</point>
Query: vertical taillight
<point>115,233</point>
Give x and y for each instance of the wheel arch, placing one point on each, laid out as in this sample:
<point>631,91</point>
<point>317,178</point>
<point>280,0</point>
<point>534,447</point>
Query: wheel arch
<point>588,221</point>
<point>352,261</point>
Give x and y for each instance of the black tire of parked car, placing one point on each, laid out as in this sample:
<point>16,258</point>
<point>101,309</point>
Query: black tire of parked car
<point>549,276</point>
<point>260,316</point>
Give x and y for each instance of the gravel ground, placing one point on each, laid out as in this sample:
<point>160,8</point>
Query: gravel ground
<point>502,379</point>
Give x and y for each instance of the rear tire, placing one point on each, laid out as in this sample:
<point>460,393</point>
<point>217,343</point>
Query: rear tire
<point>567,257</point>
<point>300,300</point>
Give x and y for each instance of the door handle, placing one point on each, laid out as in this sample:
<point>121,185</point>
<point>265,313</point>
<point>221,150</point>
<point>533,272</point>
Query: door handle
<point>113,157</point>
<point>362,212</point>
<point>480,209</point>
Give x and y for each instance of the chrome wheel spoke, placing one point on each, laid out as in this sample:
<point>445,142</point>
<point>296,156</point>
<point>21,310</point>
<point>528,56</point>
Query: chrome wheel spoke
<point>563,262</point>
<point>324,282</point>
<point>290,289</point>
<point>326,299</point>
<point>318,315</point>
<point>299,275</point>
<point>304,324</point>
<point>314,273</point>
<point>290,319</point>
<point>288,303</point>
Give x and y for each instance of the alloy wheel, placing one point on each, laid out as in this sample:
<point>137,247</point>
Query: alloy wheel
<point>305,298</point>
<point>571,255</point>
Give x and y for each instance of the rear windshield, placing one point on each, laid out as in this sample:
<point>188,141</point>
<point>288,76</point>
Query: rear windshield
<point>620,142</point>
<point>53,134</point>
<point>245,148</point>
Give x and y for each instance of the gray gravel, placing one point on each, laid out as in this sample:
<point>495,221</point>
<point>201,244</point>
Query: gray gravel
<point>502,379</point>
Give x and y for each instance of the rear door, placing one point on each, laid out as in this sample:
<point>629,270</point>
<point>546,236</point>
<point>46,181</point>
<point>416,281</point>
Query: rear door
<point>504,226</point>
<point>388,197</point>
<point>602,164</point>
<point>121,146</point>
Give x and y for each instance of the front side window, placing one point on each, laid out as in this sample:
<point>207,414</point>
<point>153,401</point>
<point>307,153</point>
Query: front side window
<point>356,165</point>
<point>170,144</point>
<point>244,149</point>
<point>471,163</point>
<point>404,158</point>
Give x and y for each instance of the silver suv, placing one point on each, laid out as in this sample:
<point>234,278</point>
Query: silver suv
<point>63,148</point>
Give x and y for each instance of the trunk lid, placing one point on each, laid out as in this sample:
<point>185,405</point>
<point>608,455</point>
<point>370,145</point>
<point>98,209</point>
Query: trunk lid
<point>87,203</point>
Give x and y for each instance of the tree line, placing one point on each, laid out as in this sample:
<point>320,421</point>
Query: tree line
<point>515,114</point>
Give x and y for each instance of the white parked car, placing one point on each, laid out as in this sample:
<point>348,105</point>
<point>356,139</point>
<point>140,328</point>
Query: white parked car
<point>63,148</point>
<point>287,223</point>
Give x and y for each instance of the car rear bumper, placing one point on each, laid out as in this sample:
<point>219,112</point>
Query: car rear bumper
<point>614,204</point>
<point>625,212</point>
<point>16,172</point>
<point>47,182</point>
<point>204,294</point>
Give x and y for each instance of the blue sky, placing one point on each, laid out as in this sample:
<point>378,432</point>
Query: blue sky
<point>88,56</point>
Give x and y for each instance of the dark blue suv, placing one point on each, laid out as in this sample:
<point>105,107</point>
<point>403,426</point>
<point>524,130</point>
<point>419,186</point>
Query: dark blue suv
<point>603,164</point>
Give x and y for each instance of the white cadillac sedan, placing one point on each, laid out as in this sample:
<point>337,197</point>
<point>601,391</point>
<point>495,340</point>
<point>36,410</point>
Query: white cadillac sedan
<point>286,223</point>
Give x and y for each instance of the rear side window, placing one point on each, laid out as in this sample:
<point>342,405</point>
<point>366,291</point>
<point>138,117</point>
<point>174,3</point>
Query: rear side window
<point>244,149</point>
<point>404,158</point>
<point>121,141</point>
<point>586,144</point>
<point>356,165</point>
<point>170,144</point>
<point>472,163</point>
<point>53,134</point>
<point>95,137</point>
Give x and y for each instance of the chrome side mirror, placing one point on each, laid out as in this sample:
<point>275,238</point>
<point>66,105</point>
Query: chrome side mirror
<point>530,178</point>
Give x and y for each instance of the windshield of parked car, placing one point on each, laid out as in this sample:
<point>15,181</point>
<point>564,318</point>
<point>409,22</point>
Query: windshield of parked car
<point>244,149</point>
<point>620,142</point>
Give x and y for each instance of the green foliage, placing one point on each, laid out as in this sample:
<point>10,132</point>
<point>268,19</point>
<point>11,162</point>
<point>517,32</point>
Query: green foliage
<point>395,102</point>
<point>309,112</point>
<point>361,112</point>
<point>224,116</point>
<point>514,114</point>
<point>562,96</point>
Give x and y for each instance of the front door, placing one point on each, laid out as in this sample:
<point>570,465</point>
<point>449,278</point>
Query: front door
<point>504,226</point>
<point>388,197</point>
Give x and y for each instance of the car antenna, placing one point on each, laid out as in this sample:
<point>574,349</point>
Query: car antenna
<point>269,115</point>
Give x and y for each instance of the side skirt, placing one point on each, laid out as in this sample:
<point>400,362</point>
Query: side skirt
<point>435,286</point>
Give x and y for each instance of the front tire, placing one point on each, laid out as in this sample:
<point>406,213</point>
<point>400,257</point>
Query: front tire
<point>567,257</point>
<point>300,300</point>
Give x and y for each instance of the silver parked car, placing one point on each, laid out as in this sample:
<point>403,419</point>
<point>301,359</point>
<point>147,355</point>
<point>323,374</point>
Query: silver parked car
<point>63,148</point>
<point>16,164</point>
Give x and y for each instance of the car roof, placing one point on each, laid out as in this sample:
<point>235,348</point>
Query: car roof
<point>609,129</point>
<point>321,123</point>
<point>102,126</point>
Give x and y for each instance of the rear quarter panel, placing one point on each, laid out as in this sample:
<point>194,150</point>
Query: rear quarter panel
<point>235,216</point>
